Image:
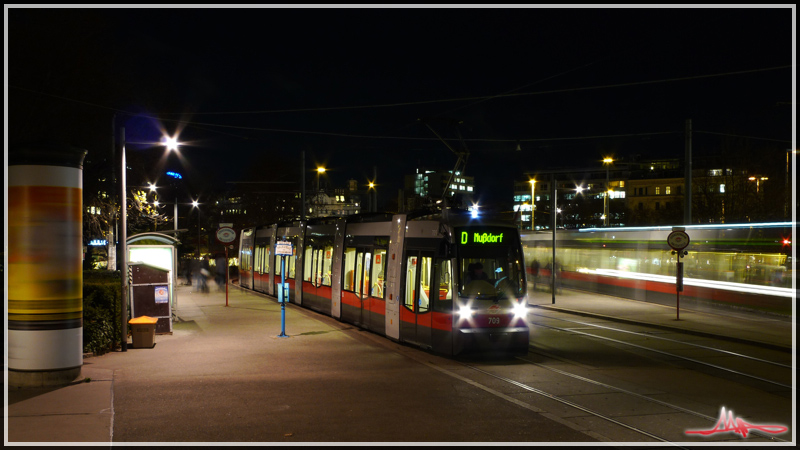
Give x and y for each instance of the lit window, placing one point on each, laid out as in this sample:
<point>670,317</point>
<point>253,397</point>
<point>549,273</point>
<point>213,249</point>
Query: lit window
<point>722,188</point>
<point>658,191</point>
<point>469,188</point>
<point>667,190</point>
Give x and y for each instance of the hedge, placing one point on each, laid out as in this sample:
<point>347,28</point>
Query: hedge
<point>101,310</point>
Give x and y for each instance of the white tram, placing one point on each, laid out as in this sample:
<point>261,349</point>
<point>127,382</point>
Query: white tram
<point>407,277</point>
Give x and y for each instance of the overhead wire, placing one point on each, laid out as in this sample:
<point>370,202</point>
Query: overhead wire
<point>486,97</point>
<point>159,116</point>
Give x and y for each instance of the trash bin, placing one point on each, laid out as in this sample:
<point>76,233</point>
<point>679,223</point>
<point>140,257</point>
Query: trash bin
<point>143,331</point>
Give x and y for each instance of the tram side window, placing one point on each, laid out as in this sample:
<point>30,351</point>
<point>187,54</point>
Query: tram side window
<point>258,258</point>
<point>418,291</point>
<point>349,268</point>
<point>308,260</point>
<point>378,273</point>
<point>425,282</point>
<point>290,262</point>
<point>444,275</point>
<point>266,260</point>
<point>245,259</point>
<point>278,264</point>
<point>367,266</point>
<point>327,264</point>
<point>411,278</point>
<point>316,267</point>
<point>358,272</point>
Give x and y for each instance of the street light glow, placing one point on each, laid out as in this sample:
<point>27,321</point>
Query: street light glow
<point>320,170</point>
<point>195,203</point>
<point>171,143</point>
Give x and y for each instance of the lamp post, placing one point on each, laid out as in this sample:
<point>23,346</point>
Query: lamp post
<point>196,204</point>
<point>606,204</point>
<point>786,186</point>
<point>758,181</point>
<point>156,203</point>
<point>533,203</point>
<point>578,191</point>
<point>172,144</point>
<point>372,203</point>
<point>320,170</point>
<point>123,245</point>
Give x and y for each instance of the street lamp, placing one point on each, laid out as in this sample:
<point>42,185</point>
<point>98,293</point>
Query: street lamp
<point>606,204</point>
<point>372,203</point>
<point>171,143</point>
<point>320,170</point>
<point>758,181</point>
<point>533,203</point>
<point>196,204</point>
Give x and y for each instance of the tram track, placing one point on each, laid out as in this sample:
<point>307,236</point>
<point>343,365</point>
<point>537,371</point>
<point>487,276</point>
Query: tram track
<point>570,404</point>
<point>663,422</point>
<point>598,414</point>
<point>647,432</point>
<point>665,353</point>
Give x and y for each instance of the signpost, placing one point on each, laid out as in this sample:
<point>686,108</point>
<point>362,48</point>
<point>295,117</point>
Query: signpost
<point>678,240</point>
<point>283,249</point>
<point>226,235</point>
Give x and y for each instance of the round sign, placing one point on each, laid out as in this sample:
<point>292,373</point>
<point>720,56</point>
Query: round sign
<point>678,240</point>
<point>226,235</point>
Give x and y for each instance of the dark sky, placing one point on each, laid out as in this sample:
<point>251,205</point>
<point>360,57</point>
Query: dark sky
<point>349,85</point>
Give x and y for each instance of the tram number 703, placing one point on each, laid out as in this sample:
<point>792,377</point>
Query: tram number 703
<point>494,321</point>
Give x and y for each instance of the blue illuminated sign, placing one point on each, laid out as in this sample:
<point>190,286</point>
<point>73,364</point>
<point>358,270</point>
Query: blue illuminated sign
<point>98,242</point>
<point>175,175</point>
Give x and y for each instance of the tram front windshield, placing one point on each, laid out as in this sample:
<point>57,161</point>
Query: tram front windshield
<point>492,273</point>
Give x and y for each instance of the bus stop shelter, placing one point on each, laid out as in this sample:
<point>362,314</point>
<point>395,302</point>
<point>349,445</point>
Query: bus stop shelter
<point>158,250</point>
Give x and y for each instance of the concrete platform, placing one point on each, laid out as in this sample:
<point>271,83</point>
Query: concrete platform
<point>224,375</point>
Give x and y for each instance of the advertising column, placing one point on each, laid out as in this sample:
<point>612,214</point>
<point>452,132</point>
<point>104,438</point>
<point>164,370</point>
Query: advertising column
<point>45,278</point>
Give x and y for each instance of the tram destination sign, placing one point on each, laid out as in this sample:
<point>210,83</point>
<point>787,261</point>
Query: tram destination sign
<point>482,236</point>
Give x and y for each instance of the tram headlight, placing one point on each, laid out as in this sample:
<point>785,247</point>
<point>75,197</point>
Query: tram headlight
<point>464,312</point>
<point>521,310</point>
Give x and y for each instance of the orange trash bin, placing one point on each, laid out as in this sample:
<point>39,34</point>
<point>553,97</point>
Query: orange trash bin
<point>143,331</point>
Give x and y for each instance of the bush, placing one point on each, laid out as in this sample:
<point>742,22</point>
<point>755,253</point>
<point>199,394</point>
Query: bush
<point>101,310</point>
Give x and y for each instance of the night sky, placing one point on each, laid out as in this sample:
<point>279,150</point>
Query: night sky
<point>349,85</point>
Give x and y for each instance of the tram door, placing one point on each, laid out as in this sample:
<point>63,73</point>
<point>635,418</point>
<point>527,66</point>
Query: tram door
<point>363,260</point>
<point>419,269</point>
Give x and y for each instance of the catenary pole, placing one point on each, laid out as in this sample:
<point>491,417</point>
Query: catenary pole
<point>687,195</point>
<point>123,245</point>
<point>554,213</point>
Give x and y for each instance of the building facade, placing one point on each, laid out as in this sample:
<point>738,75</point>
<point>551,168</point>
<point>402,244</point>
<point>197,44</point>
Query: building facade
<point>648,192</point>
<point>426,186</point>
